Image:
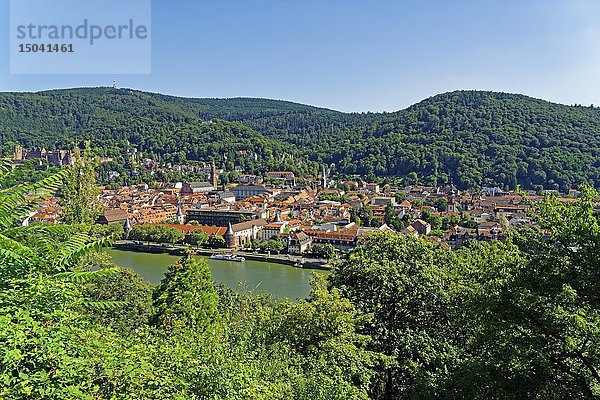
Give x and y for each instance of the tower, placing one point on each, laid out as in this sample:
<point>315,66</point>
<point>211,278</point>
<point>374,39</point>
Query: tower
<point>324,178</point>
<point>18,153</point>
<point>230,237</point>
<point>127,228</point>
<point>213,175</point>
<point>180,215</point>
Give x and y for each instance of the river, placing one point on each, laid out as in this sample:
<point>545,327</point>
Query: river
<point>282,281</point>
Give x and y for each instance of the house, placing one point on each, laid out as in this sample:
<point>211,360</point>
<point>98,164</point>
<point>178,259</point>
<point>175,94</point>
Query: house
<point>417,228</point>
<point>459,235</point>
<point>340,240</point>
<point>272,229</point>
<point>284,176</point>
<point>299,242</point>
<point>405,206</point>
<point>422,227</point>
<point>112,216</point>
<point>196,187</point>
<point>249,179</point>
<point>384,201</point>
<point>244,191</point>
<point>240,234</point>
<point>373,187</point>
<point>410,230</point>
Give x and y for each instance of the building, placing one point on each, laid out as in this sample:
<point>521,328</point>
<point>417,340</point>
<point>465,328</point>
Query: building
<point>112,216</point>
<point>249,179</point>
<point>244,191</point>
<point>340,240</point>
<point>373,187</point>
<point>420,227</point>
<point>238,235</point>
<point>287,177</point>
<point>225,197</point>
<point>196,187</point>
<point>57,158</point>
<point>272,229</point>
<point>411,231</point>
<point>218,217</point>
<point>180,216</point>
<point>213,175</point>
<point>383,201</point>
<point>299,243</point>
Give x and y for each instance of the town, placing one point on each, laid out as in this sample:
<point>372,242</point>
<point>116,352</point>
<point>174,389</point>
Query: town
<point>276,213</point>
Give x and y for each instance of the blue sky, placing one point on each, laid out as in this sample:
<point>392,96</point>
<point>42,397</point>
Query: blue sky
<point>375,55</point>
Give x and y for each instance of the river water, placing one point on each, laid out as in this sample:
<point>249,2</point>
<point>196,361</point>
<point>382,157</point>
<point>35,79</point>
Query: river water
<point>282,281</point>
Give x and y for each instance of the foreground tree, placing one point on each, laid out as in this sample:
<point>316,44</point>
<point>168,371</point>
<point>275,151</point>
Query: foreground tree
<point>186,296</point>
<point>404,283</point>
<point>79,195</point>
<point>538,317</point>
<point>519,319</point>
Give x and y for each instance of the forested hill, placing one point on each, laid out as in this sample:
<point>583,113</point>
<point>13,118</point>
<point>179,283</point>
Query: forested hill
<point>470,138</point>
<point>485,138</point>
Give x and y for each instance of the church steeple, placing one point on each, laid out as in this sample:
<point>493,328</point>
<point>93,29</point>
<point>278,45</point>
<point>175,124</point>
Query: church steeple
<point>180,215</point>
<point>213,175</point>
<point>324,178</point>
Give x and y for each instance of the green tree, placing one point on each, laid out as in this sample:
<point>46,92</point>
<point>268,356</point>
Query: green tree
<point>391,218</point>
<point>400,196</point>
<point>79,195</point>
<point>186,297</point>
<point>198,237</point>
<point>538,316</point>
<point>131,294</point>
<point>450,221</point>
<point>166,234</point>
<point>434,219</point>
<point>326,251</point>
<point>441,204</point>
<point>404,283</point>
<point>141,232</point>
<point>275,244</point>
<point>216,241</point>
<point>366,215</point>
<point>324,330</point>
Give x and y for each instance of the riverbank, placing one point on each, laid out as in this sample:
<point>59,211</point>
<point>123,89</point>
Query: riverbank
<point>251,277</point>
<point>178,250</point>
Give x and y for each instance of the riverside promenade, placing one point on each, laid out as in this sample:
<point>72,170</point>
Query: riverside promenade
<point>287,259</point>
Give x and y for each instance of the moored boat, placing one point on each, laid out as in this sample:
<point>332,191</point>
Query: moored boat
<point>227,257</point>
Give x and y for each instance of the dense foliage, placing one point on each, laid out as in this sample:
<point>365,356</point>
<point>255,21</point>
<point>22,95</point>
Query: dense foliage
<point>519,319</point>
<point>469,138</point>
<point>400,318</point>
<point>72,325</point>
<point>156,233</point>
<point>79,194</point>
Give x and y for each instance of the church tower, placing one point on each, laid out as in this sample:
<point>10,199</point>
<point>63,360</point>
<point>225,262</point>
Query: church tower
<point>324,178</point>
<point>213,175</point>
<point>180,215</point>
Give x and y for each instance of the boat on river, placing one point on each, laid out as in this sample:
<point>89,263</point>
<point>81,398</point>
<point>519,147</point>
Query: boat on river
<point>227,257</point>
